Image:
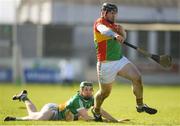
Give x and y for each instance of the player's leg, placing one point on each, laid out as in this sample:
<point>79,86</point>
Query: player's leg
<point>33,116</point>
<point>106,75</point>
<point>31,108</point>
<point>38,116</point>
<point>23,97</point>
<point>48,112</point>
<point>103,92</point>
<point>130,72</point>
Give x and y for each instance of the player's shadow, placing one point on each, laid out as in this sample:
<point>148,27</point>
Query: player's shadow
<point>22,107</point>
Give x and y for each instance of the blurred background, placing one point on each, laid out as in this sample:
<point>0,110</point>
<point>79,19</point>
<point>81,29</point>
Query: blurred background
<point>51,41</point>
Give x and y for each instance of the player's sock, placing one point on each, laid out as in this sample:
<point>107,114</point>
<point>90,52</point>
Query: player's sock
<point>19,119</point>
<point>139,101</point>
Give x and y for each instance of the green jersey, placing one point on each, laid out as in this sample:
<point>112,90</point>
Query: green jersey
<point>76,103</point>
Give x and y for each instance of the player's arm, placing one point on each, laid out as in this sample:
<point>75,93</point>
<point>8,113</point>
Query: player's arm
<point>109,32</point>
<point>82,112</point>
<point>110,118</point>
<point>84,115</point>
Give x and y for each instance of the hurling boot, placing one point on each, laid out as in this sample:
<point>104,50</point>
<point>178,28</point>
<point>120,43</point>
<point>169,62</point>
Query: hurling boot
<point>22,96</point>
<point>147,109</point>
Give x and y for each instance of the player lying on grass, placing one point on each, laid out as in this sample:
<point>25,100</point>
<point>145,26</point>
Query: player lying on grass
<point>74,109</point>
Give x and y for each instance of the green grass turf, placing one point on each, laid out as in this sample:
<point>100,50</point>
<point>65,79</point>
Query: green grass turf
<point>121,104</point>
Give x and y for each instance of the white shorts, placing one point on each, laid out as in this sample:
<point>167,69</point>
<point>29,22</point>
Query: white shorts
<point>107,71</point>
<point>51,107</point>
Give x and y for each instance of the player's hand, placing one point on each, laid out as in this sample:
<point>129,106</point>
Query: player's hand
<point>118,29</point>
<point>119,38</point>
<point>69,116</point>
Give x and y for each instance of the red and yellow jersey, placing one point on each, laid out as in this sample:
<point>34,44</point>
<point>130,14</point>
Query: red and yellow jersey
<point>107,48</point>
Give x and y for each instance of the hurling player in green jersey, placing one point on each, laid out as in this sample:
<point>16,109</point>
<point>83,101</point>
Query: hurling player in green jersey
<point>75,108</point>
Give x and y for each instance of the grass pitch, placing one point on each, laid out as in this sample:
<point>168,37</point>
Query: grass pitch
<point>121,104</point>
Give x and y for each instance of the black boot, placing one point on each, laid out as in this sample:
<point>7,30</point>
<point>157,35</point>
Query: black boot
<point>146,109</point>
<point>9,118</point>
<point>97,117</point>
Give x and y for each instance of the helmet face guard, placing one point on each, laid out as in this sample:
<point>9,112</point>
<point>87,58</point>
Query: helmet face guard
<point>85,84</point>
<point>109,7</point>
